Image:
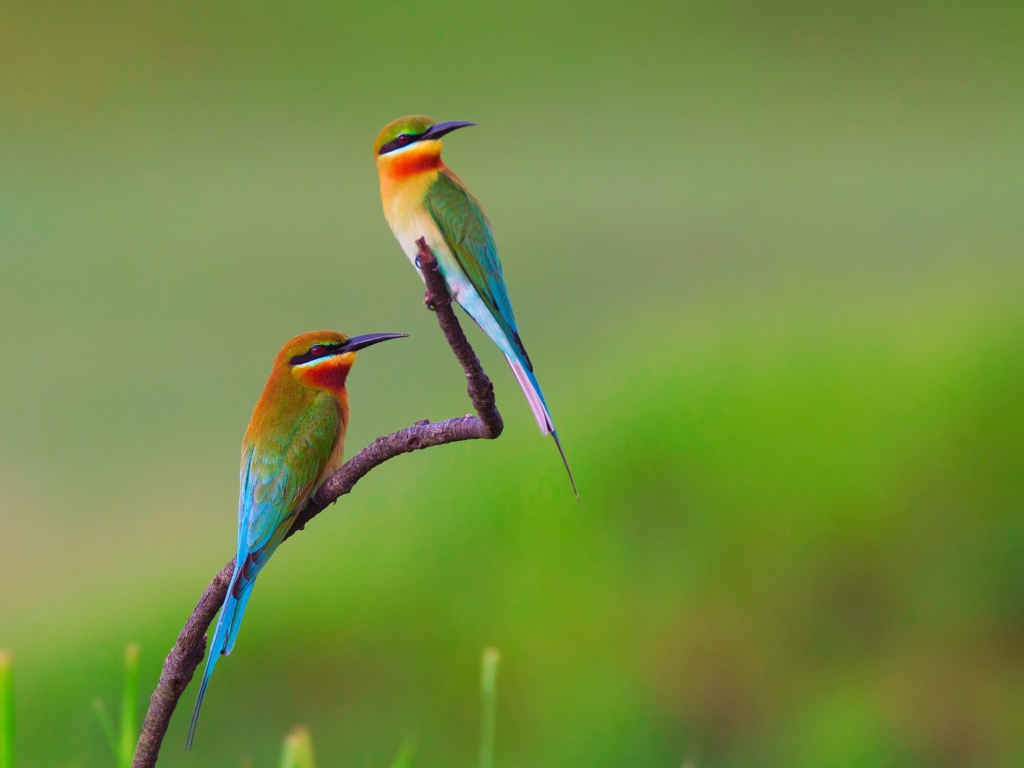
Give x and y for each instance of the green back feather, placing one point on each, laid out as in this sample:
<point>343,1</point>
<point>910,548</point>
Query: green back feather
<point>467,232</point>
<point>281,470</point>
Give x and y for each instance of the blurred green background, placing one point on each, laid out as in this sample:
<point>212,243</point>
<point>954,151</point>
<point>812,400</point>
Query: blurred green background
<point>767,260</point>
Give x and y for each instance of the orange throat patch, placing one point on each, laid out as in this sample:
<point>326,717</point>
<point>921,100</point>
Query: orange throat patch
<point>417,159</point>
<point>330,375</point>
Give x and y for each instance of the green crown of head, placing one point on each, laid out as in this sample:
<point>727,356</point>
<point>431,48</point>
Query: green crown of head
<point>412,125</point>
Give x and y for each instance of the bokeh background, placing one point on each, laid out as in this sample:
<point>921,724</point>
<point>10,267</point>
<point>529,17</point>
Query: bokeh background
<point>767,259</point>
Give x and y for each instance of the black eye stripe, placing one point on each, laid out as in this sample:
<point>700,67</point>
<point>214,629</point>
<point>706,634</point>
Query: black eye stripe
<point>316,352</point>
<point>403,140</point>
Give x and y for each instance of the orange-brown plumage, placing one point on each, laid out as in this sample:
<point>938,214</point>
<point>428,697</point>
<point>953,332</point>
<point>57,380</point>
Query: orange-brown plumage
<point>293,389</point>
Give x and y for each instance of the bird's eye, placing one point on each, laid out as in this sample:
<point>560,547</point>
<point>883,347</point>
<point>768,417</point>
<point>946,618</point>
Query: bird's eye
<point>316,350</point>
<point>403,138</point>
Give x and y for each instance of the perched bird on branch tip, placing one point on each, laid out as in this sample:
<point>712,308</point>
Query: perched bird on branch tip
<point>294,442</point>
<point>423,198</point>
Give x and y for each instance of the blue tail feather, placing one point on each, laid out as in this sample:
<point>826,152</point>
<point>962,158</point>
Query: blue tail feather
<point>241,602</point>
<point>224,637</point>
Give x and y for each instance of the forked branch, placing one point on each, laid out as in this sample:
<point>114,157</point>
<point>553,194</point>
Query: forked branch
<point>188,651</point>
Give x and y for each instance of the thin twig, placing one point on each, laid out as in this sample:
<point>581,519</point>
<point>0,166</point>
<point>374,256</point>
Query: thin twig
<point>188,651</point>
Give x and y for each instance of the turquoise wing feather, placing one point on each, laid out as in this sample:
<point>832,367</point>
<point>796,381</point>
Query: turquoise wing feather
<point>280,478</point>
<point>278,475</point>
<point>467,232</point>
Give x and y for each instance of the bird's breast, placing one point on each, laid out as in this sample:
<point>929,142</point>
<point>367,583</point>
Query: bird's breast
<point>403,195</point>
<point>337,457</point>
<point>409,219</point>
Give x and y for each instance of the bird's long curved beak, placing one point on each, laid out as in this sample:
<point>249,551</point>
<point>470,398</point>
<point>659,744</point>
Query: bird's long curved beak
<point>359,342</point>
<point>439,130</point>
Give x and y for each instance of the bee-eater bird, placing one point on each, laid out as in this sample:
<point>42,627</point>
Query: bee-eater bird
<point>294,442</point>
<point>423,198</point>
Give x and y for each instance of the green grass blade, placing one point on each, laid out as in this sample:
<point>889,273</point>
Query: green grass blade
<point>106,723</point>
<point>129,707</point>
<point>405,755</point>
<point>298,749</point>
<point>488,716</point>
<point>6,710</point>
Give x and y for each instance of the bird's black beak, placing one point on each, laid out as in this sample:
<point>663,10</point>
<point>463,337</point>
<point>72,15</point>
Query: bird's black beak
<point>359,342</point>
<point>439,130</point>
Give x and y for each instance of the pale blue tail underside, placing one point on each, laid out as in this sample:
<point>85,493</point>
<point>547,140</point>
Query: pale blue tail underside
<point>224,636</point>
<point>468,298</point>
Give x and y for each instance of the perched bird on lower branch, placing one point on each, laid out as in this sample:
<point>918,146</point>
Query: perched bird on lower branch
<point>424,198</point>
<point>294,442</point>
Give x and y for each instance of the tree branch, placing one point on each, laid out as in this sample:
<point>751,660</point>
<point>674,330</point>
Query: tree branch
<point>188,651</point>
